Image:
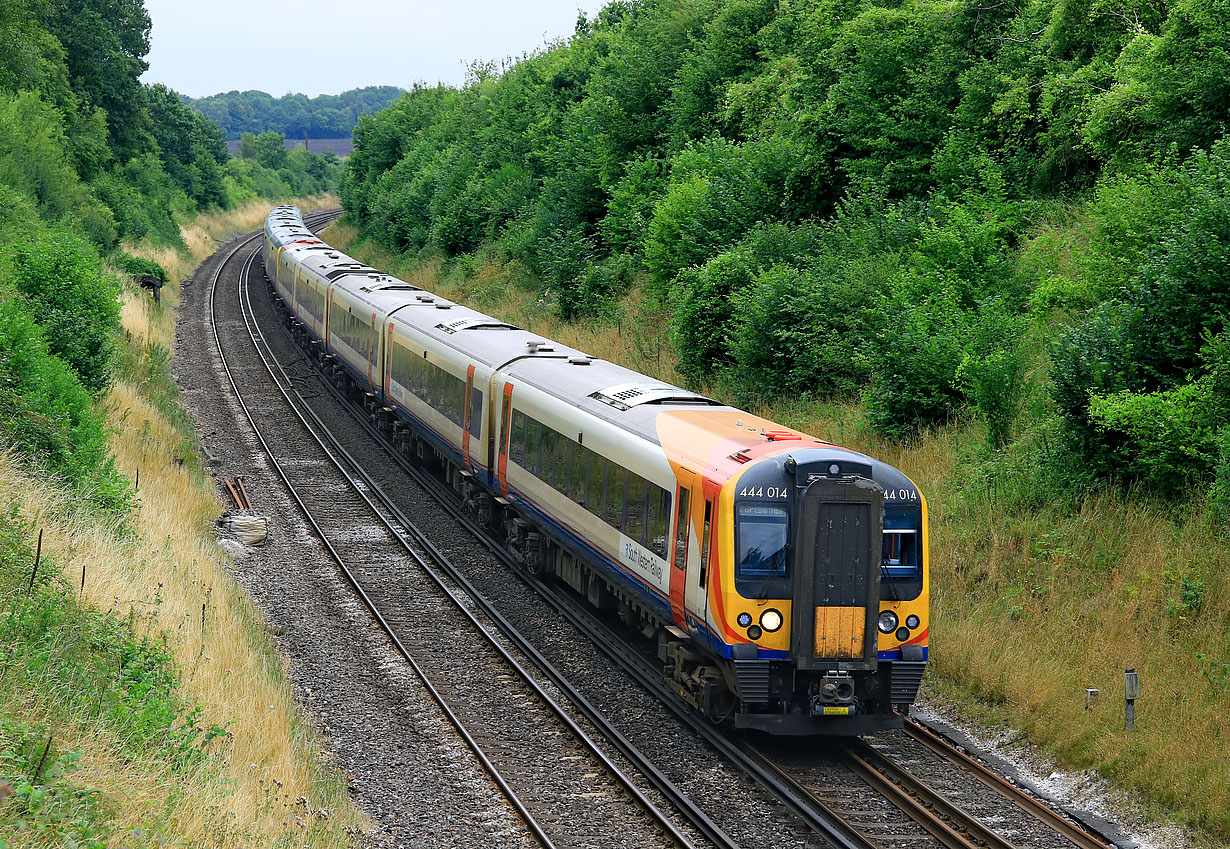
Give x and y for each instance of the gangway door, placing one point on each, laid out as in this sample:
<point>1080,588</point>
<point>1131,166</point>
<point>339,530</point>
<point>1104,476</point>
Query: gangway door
<point>837,550</point>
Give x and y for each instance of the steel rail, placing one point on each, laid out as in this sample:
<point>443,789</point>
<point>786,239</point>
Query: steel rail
<point>994,781</point>
<point>947,822</point>
<point>508,793</point>
<point>353,471</point>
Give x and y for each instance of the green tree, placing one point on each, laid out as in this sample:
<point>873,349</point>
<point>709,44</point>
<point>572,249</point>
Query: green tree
<point>105,43</point>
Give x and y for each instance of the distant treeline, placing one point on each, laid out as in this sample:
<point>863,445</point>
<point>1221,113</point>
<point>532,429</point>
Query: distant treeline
<point>329,116</point>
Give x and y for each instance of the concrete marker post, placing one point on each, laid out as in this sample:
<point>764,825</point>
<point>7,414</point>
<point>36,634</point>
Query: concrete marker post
<point>1131,692</point>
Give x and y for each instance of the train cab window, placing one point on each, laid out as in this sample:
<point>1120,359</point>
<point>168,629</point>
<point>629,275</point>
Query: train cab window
<point>597,484</point>
<point>581,458</point>
<point>634,517</point>
<point>681,528</point>
<point>761,540</point>
<point>516,445</point>
<point>616,477</point>
<point>900,552</point>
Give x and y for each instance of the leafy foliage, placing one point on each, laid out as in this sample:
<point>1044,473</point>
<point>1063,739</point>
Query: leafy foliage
<point>917,202</point>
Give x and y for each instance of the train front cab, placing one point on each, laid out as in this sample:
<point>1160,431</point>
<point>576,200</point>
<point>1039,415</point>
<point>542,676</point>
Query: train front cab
<point>824,597</point>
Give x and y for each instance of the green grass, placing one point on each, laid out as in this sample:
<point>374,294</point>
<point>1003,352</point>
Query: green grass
<point>71,672</point>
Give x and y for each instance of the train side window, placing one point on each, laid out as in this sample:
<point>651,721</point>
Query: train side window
<point>704,543</point>
<point>563,463</point>
<point>580,467</point>
<point>476,412</point>
<point>546,465</point>
<point>616,479</point>
<point>597,484</point>
<point>451,406</point>
<point>659,517</point>
<point>634,524</point>
<point>533,443</point>
<point>516,446</point>
<point>681,528</point>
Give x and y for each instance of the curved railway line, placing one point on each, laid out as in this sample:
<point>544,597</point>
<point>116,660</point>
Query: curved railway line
<point>516,769</point>
<point>922,816</point>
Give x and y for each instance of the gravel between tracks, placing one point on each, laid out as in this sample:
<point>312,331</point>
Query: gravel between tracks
<point>417,781</point>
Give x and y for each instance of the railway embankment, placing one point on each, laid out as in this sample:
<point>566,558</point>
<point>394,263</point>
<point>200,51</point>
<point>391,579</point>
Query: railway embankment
<point>1041,594</point>
<point>142,698</point>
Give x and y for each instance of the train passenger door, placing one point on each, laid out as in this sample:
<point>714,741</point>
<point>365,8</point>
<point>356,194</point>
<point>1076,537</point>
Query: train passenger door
<point>681,537</point>
<point>502,439</point>
<point>689,537</point>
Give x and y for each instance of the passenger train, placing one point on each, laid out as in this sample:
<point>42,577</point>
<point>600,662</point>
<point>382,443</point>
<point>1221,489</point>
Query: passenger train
<point>783,578</point>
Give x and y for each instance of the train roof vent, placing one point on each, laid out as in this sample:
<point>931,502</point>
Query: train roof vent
<point>473,324</point>
<point>347,268</point>
<point>625,396</point>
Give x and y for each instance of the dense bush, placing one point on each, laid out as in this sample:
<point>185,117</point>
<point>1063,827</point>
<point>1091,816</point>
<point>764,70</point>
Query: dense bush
<point>76,303</point>
<point>1169,439</point>
<point>1150,351</point>
<point>834,199</point>
<point>46,411</point>
<point>137,265</point>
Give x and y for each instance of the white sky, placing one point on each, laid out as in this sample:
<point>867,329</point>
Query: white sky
<point>326,47</point>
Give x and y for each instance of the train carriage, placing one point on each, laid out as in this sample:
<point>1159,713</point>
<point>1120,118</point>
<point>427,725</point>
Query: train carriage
<point>783,578</point>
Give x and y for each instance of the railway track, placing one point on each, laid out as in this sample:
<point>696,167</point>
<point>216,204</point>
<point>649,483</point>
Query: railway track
<point>549,768</point>
<point>939,821</point>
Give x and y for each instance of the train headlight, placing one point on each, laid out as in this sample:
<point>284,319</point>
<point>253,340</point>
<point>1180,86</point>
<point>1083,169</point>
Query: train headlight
<point>744,619</point>
<point>911,621</point>
<point>888,622</point>
<point>771,620</point>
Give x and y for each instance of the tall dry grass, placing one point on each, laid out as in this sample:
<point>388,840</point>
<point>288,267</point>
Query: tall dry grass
<point>1034,598</point>
<point>269,786</point>
<point>202,236</point>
